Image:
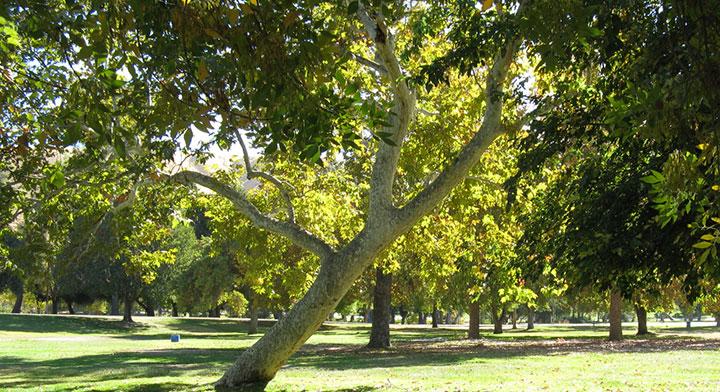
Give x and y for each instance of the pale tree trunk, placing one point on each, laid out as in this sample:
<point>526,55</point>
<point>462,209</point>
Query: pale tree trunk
<point>339,269</point>
<point>531,318</point>
<point>514,319</point>
<point>256,366</point>
<point>380,331</point>
<point>474,327</point>
<point>641,314</point>
<point>717,319</point>
<point>615,314</point>
<point>19,294</point>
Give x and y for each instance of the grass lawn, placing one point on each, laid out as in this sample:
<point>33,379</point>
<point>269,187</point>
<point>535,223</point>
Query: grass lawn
<point>49,353</point>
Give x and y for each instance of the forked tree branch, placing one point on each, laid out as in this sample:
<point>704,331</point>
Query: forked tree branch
<point>470,155</point>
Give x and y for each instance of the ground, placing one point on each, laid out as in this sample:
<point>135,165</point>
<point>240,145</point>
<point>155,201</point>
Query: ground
<point>52,353</point>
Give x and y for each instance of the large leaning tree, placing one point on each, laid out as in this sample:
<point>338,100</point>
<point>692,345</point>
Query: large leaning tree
<point>130,84</point>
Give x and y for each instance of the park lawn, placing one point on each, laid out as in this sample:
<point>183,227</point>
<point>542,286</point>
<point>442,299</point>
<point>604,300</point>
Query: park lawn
<point>50,353</point>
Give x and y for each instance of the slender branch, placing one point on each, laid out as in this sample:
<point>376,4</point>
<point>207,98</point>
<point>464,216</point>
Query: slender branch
<point>368,63</point>
<point>293,232</point>
<point>386,158</point>
<point>251,173</point>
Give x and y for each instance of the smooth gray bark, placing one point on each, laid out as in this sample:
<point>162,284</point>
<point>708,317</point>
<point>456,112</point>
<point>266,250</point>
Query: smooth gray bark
<point>380,331</point>
<point>615,314</point>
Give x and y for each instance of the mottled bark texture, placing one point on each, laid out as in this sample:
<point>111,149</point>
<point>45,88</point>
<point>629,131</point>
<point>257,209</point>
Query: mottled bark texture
<point>380,331</point>
<point>339,268</point>
<point>127,311</point>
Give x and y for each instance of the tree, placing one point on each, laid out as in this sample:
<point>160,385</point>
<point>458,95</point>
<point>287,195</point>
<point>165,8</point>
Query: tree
<point>189,64</point>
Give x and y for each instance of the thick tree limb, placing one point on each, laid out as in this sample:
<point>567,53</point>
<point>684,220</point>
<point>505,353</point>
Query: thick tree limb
<point>293,232</point>
<point>386,158</point>
<point>469,156</point>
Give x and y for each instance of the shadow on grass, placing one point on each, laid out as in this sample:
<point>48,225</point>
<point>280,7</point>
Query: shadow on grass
<point>415,354</point>
<point>62,323</point>
<point>91,369</point>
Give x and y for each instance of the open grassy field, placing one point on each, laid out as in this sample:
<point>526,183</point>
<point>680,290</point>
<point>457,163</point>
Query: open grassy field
<point>49,353</point>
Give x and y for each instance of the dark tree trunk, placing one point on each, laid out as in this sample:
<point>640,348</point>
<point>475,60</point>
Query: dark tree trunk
<point>448,317</point>
<point>253,313</point>
<point>403,315</point>
<point>717,319</point>
<point>127,311</point>
<point>114,305</point>
<point>55,306</point>
<point>69,303</point>
<point>641,314</point>
<point>435,316</point>
<point>174,310</point>
<point>514,319</point>
<point>368,315</point>
<point>698,309</point>
<point>498,321</point>
<point>422,317</point>
<point>17,308</point>
<point>474,327</point>
<point>380,331</point>
<point>615,315</point>
<point>688,322</point>
<point>531,318</point>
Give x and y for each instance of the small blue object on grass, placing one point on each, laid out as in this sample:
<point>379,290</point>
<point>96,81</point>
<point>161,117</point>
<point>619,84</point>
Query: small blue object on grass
<point>174,338</point>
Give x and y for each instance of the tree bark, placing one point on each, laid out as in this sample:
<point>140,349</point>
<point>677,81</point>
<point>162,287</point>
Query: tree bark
<point>514,319</point>
<point>641,314</point>
<point>448,317</point>
<point>531,319</point>
<point>615,314</point>
<point>435,316</point>
<point>380,331</point>
<point>498,321</point>
<point>174,309</point>
<point>717,319</point>
<point>55,305</point>
<point>422,317</point>
<point>257,365</point>
<point>19,294</point>
<point>69,303</point>
<point>114,305</point>
<point>474,327</point>
<point>127,311</point>
<point>253,313</point>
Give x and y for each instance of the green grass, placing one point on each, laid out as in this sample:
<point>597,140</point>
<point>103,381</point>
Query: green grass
<point>49,353</point>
